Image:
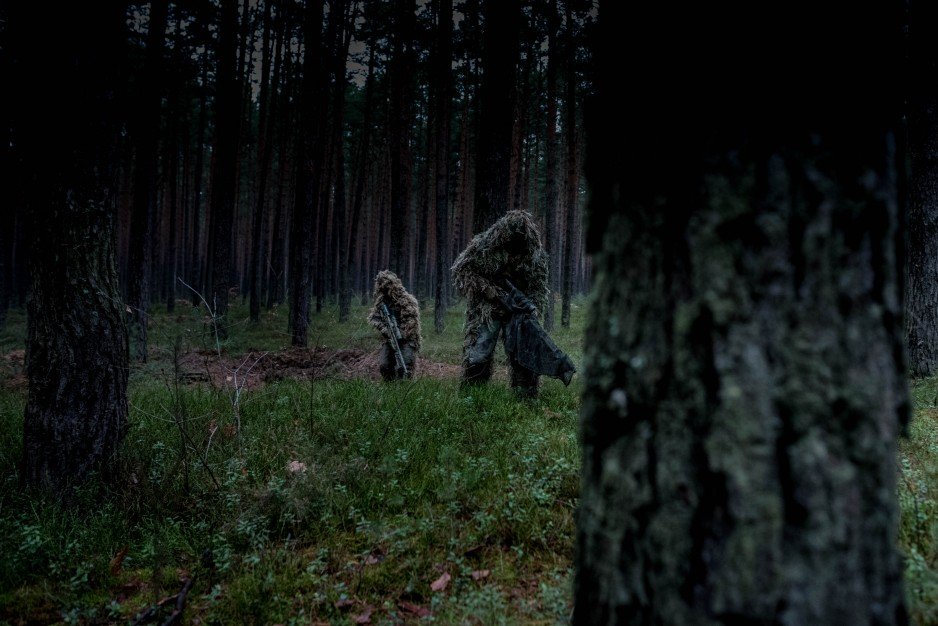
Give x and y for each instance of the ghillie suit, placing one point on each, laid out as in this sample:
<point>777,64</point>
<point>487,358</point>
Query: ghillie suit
<point>509,250</point>
<point>389,290</point>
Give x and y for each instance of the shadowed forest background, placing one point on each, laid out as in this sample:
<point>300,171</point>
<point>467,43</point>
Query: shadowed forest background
<point>398,121</point>
<point>197,197</point>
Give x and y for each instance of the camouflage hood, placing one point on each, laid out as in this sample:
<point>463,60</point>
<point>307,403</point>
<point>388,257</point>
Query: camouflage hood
<point>511,247</point>
<point>390,290</point>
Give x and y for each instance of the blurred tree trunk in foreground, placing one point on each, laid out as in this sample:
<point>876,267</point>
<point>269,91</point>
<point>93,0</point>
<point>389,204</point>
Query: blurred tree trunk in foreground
<point>745,380</point>
<point>77,353</point>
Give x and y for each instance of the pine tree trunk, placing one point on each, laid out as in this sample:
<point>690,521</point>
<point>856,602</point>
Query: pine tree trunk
<point>552,237</point>
<point>493,161</point>
<point>278,247</point>
<point>308,176</point>
<point>570,201</point>
<point>340,226</point>
<point>922,296</point>
<point>171,174</point>
<point>77,347</point>
<point>263,169</point>
<point>443,96</point>
<point>143,218</point>
<point>197,258</point>
<point>403,60</point>
<point>225,166</point>
<point>745,381</point>
<point>362,168</point>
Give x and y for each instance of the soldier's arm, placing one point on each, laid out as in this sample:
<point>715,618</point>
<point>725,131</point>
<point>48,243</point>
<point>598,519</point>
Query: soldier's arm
<point>376,320</point>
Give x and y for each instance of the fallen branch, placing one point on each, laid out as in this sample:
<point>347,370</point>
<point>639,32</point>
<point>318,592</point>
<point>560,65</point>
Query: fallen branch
<point>175,617</point>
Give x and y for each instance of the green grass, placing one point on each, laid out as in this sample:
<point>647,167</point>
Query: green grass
<point>402,483</point>
<point>918,498</point>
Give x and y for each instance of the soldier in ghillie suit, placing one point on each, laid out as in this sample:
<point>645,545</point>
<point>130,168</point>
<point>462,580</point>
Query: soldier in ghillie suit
<point>506,258</point>
<point>405,315</point>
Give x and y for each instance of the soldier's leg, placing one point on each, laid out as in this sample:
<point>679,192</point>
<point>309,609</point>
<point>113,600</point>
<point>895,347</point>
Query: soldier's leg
<point>523,381</point>
<point>479,348</point>
<point>387,363</point>
<point>410,358</point>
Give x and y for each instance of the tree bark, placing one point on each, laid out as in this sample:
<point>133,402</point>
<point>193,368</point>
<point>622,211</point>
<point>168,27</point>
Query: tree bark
<point>362,168</point>
<point>171,174</point>
<point>443,97</point>
<point>572,182</point>
<point>344,281</point>
<point>493,161</point>
<point>307,178</point>
<point>278,247</point>
<point>745,381</point>
<point>225,165</point>
<point>552,239</point>
<point>77,347</point>
<point>263,169</point>
<point>403,60</point>
<point>922,296</point>
<point>197,258</point>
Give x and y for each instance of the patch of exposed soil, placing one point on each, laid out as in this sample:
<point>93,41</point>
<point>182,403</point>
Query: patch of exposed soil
<point>13,369</point>
<point>257,368</point>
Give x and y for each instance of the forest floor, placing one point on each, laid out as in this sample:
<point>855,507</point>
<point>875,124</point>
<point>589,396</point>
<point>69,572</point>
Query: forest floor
<point>294,487</point>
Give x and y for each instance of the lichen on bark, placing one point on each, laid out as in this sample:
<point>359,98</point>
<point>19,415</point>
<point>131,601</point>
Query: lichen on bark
<point>745,377</point>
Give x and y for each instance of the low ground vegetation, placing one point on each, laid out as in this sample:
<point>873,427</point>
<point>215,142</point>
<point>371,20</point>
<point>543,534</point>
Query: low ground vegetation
<point>314,493</point>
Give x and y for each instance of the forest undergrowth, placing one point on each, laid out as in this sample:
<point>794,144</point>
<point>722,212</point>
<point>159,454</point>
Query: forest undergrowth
<point>314,493</point>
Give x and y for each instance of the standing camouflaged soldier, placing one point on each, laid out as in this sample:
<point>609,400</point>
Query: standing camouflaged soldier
<point>510,250</point>
<point>396,315</point>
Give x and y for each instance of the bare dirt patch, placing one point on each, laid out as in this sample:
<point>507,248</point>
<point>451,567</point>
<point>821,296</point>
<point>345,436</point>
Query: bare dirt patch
<point>257,368</point>
<point>13,369</point>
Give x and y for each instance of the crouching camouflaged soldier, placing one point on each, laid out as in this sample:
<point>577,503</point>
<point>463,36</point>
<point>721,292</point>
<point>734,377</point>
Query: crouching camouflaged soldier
<point>507,257</point>
<point>396,315</point>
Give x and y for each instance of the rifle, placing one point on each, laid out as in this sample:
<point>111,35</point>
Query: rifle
<point>515,301</point>
<point>395,338</point>
<point>527,342</point>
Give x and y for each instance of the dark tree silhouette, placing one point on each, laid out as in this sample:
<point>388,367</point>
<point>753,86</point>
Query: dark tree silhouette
<point>225,164</point>
<point>493,158</point>
<point>745,381</point>
<point>443,93</point>
<point>403,59</point>
<point>264,150</point>
<point>146,130</point>
<point>308,175</point>
<point>551,232</point>
<point>76,409</point>
<point>572,178</point>
<point>923,191</point>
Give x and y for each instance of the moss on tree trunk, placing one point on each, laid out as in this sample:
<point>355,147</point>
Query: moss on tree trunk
<point>745,380</point>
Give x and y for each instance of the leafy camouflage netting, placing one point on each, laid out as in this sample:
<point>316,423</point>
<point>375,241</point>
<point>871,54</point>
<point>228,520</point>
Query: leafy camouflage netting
<point>510,248</point>
<point>390,290</point>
